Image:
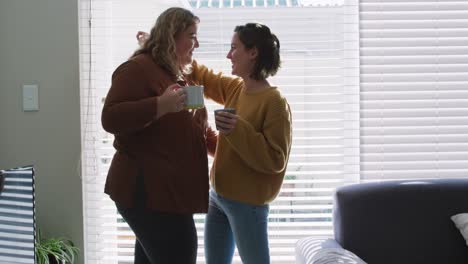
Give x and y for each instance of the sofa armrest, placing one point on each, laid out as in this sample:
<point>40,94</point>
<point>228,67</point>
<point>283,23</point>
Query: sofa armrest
<point>322,251</point>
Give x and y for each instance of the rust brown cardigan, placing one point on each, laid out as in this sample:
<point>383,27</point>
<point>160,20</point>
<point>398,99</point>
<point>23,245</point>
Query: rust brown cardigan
<point>170,153</point>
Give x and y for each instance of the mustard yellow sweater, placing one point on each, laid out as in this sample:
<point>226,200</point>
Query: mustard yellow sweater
<point>250,162</point>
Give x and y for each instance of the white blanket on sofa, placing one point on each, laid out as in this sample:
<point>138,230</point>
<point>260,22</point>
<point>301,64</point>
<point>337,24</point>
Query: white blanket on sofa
<point>324,251</point>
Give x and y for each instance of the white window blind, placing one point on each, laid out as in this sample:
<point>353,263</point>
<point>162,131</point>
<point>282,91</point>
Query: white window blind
<point>414,89</point>
<point>319,77</point>
<point>17,216</point>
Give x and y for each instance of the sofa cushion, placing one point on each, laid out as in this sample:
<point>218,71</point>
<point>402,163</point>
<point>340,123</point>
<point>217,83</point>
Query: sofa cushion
<point>461,222</point>
<point>402,222</point>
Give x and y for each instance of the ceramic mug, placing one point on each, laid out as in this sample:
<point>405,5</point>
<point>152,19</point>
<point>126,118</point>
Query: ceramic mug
<point>194,99</point>
<point>230,110</point>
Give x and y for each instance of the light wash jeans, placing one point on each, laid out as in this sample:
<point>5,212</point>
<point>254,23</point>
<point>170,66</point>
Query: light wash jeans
<point>230,223</point>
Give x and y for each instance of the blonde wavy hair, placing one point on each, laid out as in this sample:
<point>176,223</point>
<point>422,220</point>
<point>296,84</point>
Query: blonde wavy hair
<point>161,44</point>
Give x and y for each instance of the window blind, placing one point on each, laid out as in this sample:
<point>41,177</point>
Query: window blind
<point>107,38</point>
<point>319,77</point>
<point>414,89</point>
<point>17,216</point>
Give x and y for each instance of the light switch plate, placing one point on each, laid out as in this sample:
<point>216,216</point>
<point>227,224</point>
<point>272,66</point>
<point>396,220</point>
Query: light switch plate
<point>31,97</point>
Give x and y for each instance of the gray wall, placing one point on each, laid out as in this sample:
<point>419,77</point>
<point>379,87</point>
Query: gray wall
<point>39,44</point>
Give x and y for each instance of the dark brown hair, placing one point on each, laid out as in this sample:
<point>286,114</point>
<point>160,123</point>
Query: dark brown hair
<point>259,36</point>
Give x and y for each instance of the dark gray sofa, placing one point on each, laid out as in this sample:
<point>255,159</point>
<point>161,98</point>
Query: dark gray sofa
<point>393,222</point>
<point>402,222</point>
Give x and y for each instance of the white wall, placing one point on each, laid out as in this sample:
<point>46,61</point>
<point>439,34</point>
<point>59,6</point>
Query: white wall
<point>39,44</point>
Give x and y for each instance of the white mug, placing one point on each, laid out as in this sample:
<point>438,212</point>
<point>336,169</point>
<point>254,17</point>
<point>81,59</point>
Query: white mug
<point>194,99</point>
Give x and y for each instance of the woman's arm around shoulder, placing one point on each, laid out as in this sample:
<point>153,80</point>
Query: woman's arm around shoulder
<point>218,86</point>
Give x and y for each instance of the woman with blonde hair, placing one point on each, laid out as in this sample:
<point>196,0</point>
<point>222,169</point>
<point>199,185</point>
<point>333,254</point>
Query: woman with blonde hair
<point>159,174</point>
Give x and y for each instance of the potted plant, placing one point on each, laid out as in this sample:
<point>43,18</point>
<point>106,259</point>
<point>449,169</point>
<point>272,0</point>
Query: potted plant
<point>54,250</point>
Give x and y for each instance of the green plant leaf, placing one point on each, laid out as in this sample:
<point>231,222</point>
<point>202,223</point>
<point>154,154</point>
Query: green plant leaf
<point>62,249</point>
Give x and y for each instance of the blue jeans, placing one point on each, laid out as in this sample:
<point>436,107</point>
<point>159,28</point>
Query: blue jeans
<point>230,223</point>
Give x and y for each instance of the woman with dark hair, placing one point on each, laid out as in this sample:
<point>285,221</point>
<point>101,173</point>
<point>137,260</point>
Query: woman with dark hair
<point>159,174</point>
<point>252,149</point>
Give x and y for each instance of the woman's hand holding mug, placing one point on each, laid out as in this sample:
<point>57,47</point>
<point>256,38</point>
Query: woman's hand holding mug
<point>226,120</point>
<point>172,100</point>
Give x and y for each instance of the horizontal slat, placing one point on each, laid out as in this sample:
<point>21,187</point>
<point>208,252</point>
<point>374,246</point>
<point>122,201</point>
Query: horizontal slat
<point>450,22</point>
<point>380,58</point>
<point>414,104</point>
<point>413,156</point>
<point>277,233</point>
<point>413,15</point>
<point>427,2</point>
<point>415,77</point>
<point>415,121</point>
<point>415,86</point>
<point>413,174</point>
<point>395,43</point>
<point>419,165</point>
<point>423,113</point>
<point>376,130</point>
<point>414,139</point>
<point>438,96</point>
<point>408,148</point>
<point>404,33</point>
<point>405,68</point>
<point>394,6</point>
